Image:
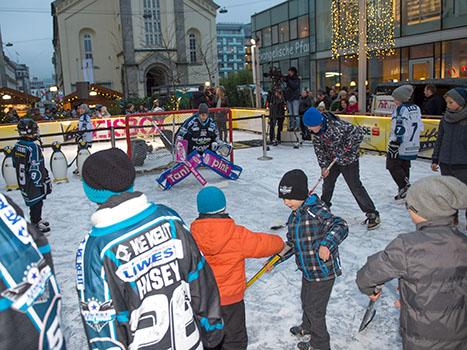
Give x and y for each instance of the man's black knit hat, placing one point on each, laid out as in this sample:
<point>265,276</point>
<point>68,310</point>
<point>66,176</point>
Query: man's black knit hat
<point>294,185</point>
<point>106,173</point>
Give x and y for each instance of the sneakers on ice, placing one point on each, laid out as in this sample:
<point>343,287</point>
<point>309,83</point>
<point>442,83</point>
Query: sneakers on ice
<point>306,346</point>
<point>43,226</point>
<point>299,331</point>
<point>372,221</point>
<point>402,193</point>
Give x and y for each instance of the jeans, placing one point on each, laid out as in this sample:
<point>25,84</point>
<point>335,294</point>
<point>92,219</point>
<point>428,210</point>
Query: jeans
<point>294,119</point>
<point>351,175</point>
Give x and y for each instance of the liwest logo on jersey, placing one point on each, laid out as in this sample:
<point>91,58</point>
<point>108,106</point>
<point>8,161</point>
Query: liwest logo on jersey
<point>15,222</point>
<point>155,256</point>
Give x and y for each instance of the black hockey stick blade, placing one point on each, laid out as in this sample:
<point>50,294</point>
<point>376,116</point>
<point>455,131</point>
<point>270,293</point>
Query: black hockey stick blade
<point>368,317</point>
<point>277,227</point>
<point>370,310</point>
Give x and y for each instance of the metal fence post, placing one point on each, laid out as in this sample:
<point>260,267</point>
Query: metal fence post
<point>112,136</point>
<point>265,147</point>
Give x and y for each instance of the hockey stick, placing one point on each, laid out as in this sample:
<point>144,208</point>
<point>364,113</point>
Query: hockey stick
<point>272,262</point>
<point>269,264</point>
<point>277,227</point>
<point>370,310</point>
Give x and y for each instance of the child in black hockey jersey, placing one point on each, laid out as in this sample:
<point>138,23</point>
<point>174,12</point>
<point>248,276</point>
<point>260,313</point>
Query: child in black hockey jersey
<point>33,177</point>
<point>315,234</point>
<point>151,288</point>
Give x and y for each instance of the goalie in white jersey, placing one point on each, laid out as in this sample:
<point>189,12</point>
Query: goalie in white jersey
<point>404,141</point>
<point>141,280</point>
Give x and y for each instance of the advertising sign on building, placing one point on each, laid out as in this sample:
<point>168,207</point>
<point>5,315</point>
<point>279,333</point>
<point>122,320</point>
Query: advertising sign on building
<point>291,49</point>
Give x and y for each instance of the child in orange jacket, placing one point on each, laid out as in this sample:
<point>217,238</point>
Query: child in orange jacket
<point>225,246</point>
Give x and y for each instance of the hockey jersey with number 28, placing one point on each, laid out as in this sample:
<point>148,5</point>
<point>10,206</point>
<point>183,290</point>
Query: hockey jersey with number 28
<point>142,282</point>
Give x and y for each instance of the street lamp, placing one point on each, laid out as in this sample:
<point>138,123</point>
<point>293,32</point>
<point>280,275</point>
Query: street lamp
<point>255,64</point>
<point>207,84</point>
<point>92,93</point>
<point>53,89</point>
<point>6,97</point>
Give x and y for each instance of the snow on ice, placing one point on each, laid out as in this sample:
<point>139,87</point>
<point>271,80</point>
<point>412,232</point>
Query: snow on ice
<point>272,303</point>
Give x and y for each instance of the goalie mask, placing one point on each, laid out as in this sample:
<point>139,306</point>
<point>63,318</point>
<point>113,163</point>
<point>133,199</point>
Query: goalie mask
<point>28,127</point>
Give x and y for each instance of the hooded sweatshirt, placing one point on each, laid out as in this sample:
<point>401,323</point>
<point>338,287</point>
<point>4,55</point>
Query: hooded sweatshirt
<point>225,246</point>
<point>451,144</point>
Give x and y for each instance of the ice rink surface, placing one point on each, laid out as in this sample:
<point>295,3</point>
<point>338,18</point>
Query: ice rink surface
<point>273,303</point>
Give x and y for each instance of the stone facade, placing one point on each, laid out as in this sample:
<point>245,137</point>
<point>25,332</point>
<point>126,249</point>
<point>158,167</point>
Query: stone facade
<point>137,47</point>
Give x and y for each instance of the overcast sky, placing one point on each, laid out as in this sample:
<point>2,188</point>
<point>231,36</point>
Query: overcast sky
<point>27,24</point>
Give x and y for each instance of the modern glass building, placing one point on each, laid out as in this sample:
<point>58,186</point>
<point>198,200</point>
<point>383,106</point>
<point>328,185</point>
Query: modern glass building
<point>430,35</point>
<point>231,47</point>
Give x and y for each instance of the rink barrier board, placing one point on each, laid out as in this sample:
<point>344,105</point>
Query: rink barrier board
<point>377,129</point>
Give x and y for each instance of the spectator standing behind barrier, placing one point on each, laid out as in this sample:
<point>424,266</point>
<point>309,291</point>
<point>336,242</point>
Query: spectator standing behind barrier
<point>404,140</point>
<point>130,109</point>
<point>433,103</point>
<point>198,98</point>
<point>221,101</point>
<point>305,102</point>
<point>276,105</point>
<point>335,105</point>
<point>352,107</point>
<point>103,112</point>
<point>322,97</point>
<point>292,96</point>
<point>85,123</point>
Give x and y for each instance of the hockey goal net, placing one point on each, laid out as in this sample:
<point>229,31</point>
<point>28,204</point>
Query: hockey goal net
<point>150,137</point>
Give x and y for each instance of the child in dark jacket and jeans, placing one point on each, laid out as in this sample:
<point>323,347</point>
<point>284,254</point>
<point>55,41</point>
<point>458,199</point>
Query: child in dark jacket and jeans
<point>314,233</point>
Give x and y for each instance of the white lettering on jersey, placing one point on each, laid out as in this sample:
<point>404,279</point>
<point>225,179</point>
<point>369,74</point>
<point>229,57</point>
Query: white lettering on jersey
<point>158,278</point>
<point>150,239</point>
<point>14,221</point>
<point>156,256</point>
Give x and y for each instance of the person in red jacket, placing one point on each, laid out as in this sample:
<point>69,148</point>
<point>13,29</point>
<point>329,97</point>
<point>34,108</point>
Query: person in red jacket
<point>225,246</point>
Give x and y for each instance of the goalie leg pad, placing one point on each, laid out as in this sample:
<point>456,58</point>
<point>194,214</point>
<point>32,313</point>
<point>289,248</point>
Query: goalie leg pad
<point>221,166</point>
<point>179,171</point>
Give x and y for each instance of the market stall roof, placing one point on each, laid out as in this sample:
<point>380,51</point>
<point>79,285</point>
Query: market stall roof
<point>14,97</point>
<point>97,94</point>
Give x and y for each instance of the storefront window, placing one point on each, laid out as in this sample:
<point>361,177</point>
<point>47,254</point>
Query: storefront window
<point>323,25</point>
<point>284,66</point>
<point>283,32</point>
<point>382,70</point>
<point>454,63</point>
<point>266,34</point>
<point>420,16</point>
<point>304,68</point>
<point>421,51</point>
<point>349,70</point>
<point>327,73</point>
<point>454,13</point>
<point>293,29</point>
<point>275,35</point>
<point>303,27</point>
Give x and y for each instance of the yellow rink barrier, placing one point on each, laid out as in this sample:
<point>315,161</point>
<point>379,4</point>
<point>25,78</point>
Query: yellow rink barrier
<point>377,129</point>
